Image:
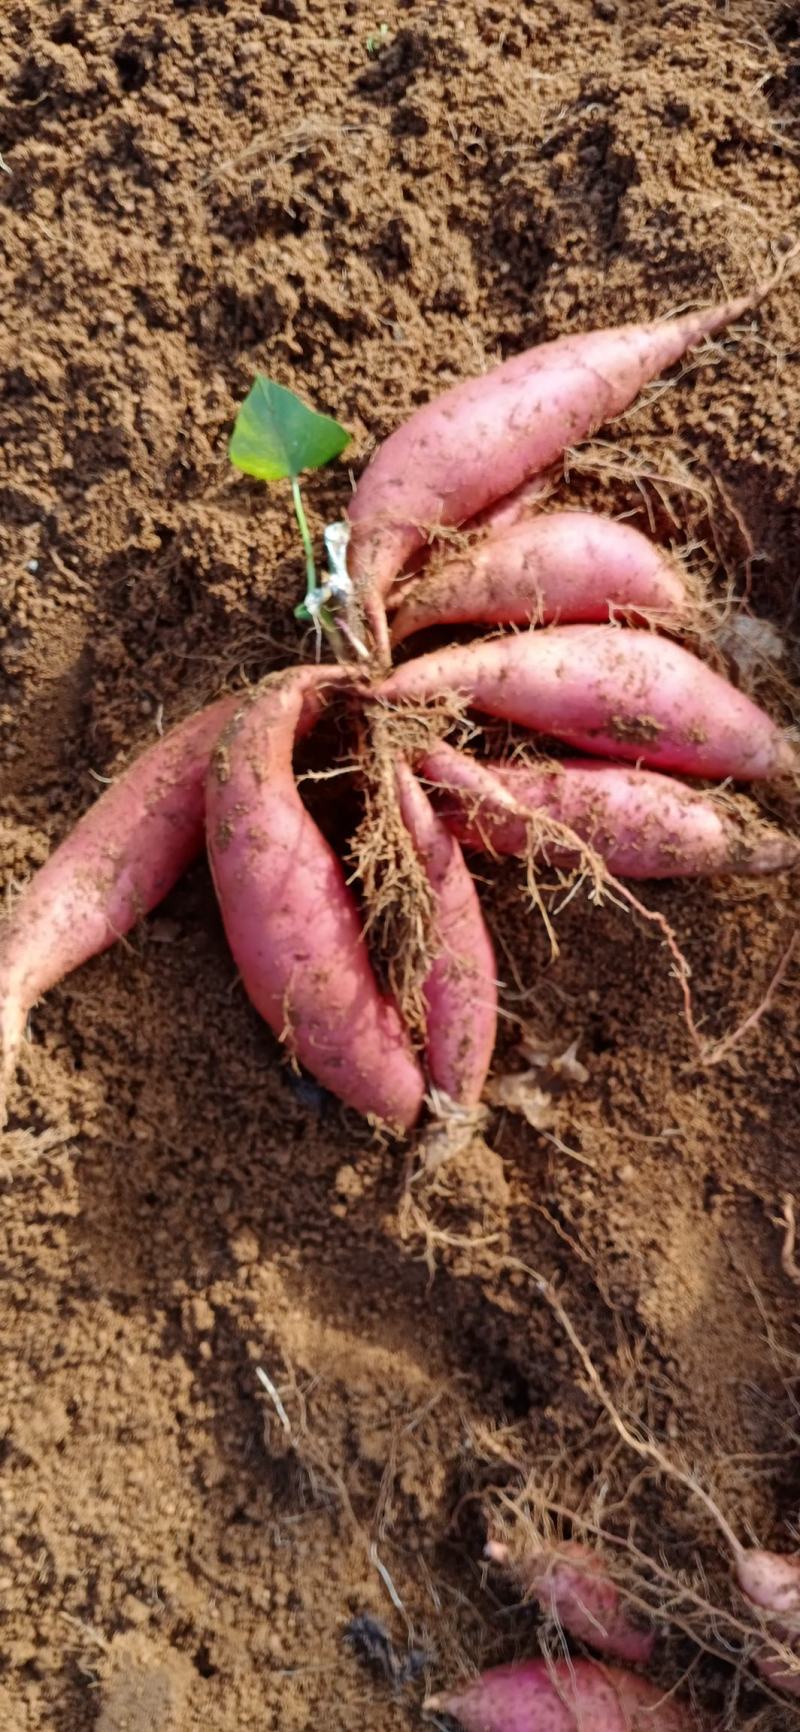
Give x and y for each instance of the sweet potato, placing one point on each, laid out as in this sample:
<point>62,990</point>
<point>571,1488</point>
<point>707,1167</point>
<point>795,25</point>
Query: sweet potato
<point>292,924</point>
<point>121,859</point>
<point>566,565</point>
<point>613,692</point>
<point>572,1585</point>
<point>513,507</point>
<point>460,991</point>
<point>485,437</point>
<point>641,823</point>
<point>563,1696</point>
<point>520,505</point>
<point>771,1581</point>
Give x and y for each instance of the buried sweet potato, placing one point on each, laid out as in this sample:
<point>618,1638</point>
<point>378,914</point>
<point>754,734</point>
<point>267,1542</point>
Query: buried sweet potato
<point>571,1584</point>
<point>563,1696</point>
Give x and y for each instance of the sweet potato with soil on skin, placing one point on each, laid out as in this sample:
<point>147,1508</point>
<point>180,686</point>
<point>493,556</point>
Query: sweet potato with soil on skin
<point>565,565</point>
<point>292,924</point>
<point>460,991</point>
<point>120,860</point>
<point>572,1586</point>
<point>564,1696</point>
<point>642,824</point>
<point>613,692</point>
<point>484,438</point>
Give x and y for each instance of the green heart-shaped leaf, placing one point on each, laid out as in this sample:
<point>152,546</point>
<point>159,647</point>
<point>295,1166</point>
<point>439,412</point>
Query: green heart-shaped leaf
<point>276,435</point>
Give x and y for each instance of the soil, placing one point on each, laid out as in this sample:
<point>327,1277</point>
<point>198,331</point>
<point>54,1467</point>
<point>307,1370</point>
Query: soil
<point>191,192</point>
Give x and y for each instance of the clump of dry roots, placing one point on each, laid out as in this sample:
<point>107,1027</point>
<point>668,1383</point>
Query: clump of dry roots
<point>399,903</point>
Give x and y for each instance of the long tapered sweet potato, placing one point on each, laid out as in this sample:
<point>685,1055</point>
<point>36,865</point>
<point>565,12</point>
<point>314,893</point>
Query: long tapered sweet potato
<point>641,823</point>
<point>485,437</point>
<point>291,921</point>
<point>565,565</point>
<point>616,693</point>
<point>121,859</point>
<point>460,990</point>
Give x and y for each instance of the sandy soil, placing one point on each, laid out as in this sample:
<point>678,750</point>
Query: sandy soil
<point>191,193</point>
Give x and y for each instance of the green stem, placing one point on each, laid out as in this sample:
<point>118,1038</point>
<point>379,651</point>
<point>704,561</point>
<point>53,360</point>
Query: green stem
<point>311,570</point>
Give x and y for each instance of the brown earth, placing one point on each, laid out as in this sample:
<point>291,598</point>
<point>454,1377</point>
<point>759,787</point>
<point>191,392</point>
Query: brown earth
<point>194,191</point>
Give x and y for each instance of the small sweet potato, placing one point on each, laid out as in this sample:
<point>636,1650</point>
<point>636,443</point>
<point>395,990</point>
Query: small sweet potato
<point>571,1584</point>
<point>771,1581</point>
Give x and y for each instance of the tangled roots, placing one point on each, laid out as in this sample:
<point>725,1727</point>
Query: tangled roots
<point>400,906</point>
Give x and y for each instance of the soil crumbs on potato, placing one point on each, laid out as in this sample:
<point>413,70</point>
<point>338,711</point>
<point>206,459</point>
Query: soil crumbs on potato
<point>248,1397</point>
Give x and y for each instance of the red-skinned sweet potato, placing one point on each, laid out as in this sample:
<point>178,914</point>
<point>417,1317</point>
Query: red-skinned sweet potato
<point>564,1696</point>
<point>571,1584</point>
<point>559,565</point>
<point>292,923</point>
<point>460,990</point>
<point>484,438</point>
<point>119,861</point>
<point>609,691</point>
<point>642,824</point>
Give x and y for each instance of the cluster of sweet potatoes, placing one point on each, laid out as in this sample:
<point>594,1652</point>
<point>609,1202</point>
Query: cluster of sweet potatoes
<point>571,1584</point>
<point>590,659</point>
